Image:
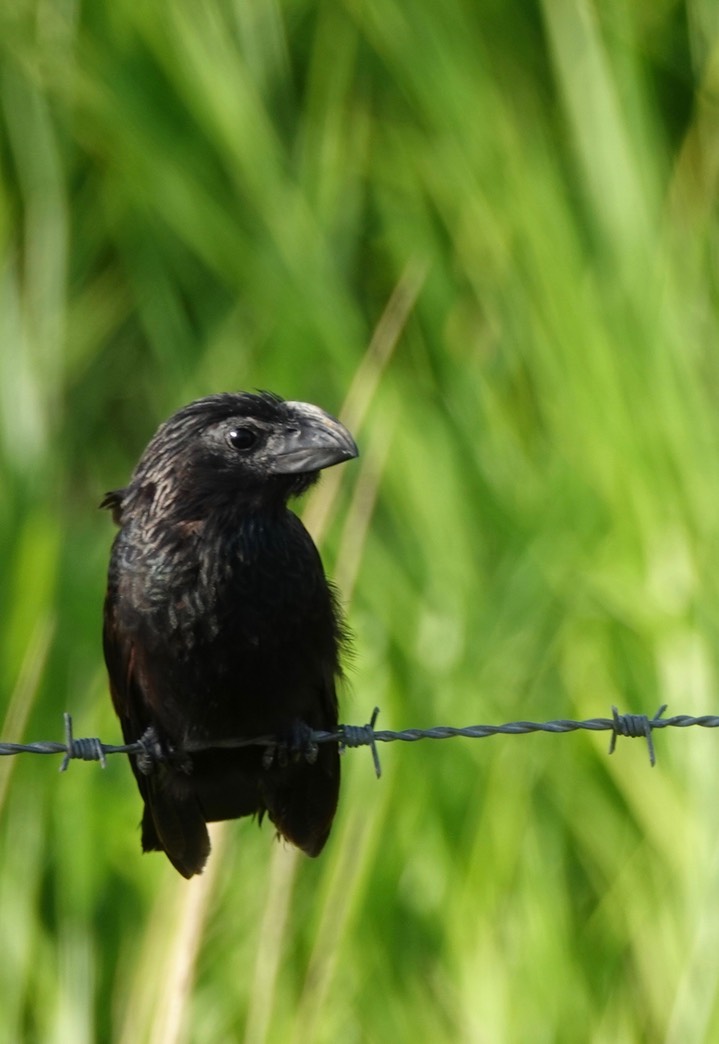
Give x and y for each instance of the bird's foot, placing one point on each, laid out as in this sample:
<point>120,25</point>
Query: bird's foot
<point>154,751</point>
<point>292,746</point>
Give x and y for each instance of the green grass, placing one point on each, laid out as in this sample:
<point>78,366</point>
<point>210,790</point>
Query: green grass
<point>490,230</point>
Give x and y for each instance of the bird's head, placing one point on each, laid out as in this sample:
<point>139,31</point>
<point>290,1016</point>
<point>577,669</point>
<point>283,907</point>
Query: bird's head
<point>234,447</point>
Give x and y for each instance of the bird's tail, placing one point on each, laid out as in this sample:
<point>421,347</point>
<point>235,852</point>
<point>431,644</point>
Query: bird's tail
<point>175,825</point>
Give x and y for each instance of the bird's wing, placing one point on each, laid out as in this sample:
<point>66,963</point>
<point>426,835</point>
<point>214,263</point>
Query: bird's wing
<point>172,820</point>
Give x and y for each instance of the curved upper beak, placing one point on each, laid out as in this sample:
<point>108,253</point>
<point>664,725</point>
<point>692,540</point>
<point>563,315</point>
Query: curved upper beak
<point>310,440</point>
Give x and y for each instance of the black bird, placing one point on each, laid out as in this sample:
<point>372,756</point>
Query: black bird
<point>220,624</point>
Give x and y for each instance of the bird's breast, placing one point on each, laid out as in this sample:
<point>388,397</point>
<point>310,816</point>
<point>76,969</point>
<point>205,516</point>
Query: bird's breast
<point>236,621</point>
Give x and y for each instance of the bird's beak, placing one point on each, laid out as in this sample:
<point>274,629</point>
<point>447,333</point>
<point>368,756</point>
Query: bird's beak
<point>310,440</point>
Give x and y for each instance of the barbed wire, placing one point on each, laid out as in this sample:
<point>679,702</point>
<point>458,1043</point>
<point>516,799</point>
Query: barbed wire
<point>148,748</point>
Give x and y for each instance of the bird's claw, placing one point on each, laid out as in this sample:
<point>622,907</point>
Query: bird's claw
<point>155,751</point>
<point>298,744</point>
<point>152,751</point>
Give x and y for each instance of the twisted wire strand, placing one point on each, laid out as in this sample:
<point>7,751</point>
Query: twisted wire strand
<point>148,750</point>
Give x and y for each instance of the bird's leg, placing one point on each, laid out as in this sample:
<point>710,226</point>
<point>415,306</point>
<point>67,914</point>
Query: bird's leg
<point>291,746</point>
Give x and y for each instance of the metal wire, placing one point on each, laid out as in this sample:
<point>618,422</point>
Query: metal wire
<point>149,750</point>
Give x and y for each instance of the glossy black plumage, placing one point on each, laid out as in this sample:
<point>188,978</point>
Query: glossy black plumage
<point>219,622</point>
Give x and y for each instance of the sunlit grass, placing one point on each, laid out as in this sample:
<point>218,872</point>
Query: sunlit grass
<point>491,234</point>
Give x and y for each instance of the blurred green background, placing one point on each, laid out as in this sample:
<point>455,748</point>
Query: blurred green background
<point>486,232</point>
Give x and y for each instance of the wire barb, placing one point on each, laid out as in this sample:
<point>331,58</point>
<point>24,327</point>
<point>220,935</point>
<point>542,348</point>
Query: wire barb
<point>362,736</point>
<point>88,749</point>
<point>633,726</point>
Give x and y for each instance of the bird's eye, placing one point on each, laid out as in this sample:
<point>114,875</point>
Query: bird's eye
<point>242,438</point>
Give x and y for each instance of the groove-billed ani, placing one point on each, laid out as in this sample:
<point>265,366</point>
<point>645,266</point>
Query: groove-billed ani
<point>220,624</point>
